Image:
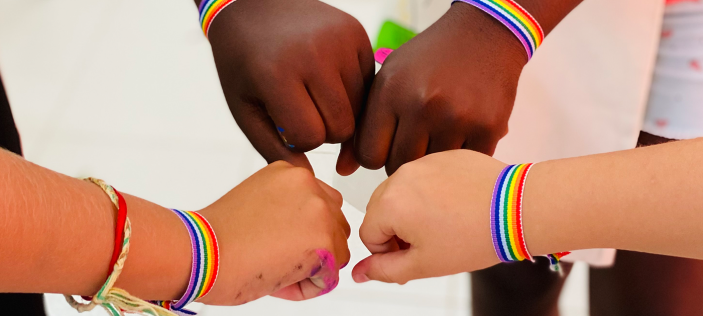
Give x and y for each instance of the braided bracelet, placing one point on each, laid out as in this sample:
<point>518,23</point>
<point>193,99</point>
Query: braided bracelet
<point>515,18</point>
<point>206,262</point>
<point>209,9</point>
<point>506,217</point>
<point>116,301</point>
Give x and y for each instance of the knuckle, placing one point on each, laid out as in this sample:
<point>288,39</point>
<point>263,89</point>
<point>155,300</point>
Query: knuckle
<point>280,164</point>
<point>299,176</point>
<point>445,112</point>
<point>341,133</point>
<point>308,140</point>
<point>494,128</point>
<point>319,207</point>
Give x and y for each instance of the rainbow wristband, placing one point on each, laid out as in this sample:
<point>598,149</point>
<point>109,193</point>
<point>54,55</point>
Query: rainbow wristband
<point>209,9</point>
<point>206,262</point>
<point>506,217</point>
<point>517,19</point>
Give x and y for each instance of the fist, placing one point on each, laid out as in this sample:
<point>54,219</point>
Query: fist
<point>431,219</point>
<point>295,74</point>
<point>282,233</point>
<point>451,87</point>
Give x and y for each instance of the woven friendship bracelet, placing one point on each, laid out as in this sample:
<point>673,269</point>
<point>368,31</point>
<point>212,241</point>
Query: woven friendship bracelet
<point>206,262</point>
<point>116,301</point>
<point>209,9</point>
<point>506,217</point>
<point>514,17</point>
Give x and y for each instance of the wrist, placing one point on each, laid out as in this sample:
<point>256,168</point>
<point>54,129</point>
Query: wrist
<point>159,261</point>
<point>474,27</point>
<point>557,214</point>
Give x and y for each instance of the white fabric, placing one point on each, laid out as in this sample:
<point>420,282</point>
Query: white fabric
<point>583,93</point>
<point>675,108</point>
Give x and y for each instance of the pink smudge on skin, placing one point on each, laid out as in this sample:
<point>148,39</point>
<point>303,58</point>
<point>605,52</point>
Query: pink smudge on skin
<point>327,271</point>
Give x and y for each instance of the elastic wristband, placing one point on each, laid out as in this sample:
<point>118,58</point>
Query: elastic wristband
<point>506,217</point>
<point>206,261</point>
<point>209,9</point>
<point>515,18</point>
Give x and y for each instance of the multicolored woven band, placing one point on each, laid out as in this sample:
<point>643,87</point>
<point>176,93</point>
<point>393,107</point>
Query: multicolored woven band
<point>506,217</point>
<point>517,19</point>
<point>209,9</point>
<point>206,262</point>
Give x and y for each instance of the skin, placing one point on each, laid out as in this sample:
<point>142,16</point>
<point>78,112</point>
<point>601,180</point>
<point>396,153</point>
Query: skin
<point>295,75</point>
<point>644,200</point>
<point>281,232</point>
<point>451,87</point>
<point>647,284</point>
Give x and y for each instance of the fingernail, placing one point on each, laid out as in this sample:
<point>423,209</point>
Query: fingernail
<point>343,265</point>
<point>360,278</point>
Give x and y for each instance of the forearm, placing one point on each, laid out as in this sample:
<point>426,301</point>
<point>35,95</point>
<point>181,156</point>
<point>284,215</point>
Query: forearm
<point>59,233</point>
<point>645,200</point>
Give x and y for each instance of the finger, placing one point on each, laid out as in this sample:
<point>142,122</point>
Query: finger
<point>483,145</point>
<point>410,143</point>
<point>346,162</point>
<point>334,198</point>
<point>334,195</point>
<point>261,132</point>
<point>295,115</point>
<point>393,267</point>
<point>375,131</point>
<point>329,94</point>
<point>375,232</point>
<point>445,142</point>
<point>319,275</point>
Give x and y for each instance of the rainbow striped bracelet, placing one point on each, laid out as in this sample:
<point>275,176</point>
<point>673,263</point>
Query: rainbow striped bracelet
<point>514,17</point>
<point>206,262</point>
<point>506,217</point>
<point>209,9</point>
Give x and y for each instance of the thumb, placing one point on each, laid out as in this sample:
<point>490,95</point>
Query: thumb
<point>391,267</point>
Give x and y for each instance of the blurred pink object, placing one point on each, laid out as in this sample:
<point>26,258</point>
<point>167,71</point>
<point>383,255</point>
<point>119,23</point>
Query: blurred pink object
<point>382,54</point>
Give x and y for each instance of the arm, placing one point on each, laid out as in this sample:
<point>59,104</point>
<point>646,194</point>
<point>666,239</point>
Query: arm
<point>645,200</point>
<point>58,232</point>
<point>60,236</point>
<point>451,87</point>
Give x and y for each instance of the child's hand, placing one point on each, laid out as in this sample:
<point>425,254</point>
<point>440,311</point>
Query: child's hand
<point>451,87</point>
<point>301,68</point>
<point>431,218</point>
<point>282,233</point>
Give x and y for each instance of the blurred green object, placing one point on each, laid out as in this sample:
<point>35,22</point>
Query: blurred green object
<point>393,35</point>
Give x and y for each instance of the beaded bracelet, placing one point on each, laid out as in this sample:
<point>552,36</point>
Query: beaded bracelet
<point>209,9</point>
<point>514,17</point>
<point>206,262</point>
<point>116,301</point>
<point>506,217</point>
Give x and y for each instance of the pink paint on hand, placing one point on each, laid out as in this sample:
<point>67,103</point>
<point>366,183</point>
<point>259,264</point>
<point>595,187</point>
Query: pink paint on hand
<point>327,272</point>
<point>382,54</point>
